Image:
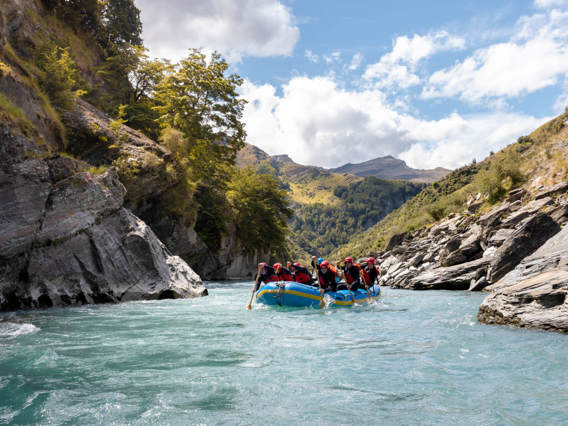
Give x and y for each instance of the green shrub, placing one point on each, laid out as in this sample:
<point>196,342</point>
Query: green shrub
<point>59,75</point>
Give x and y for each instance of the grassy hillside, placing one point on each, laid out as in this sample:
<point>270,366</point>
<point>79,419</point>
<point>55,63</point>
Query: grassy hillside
<point>540,158</point>
<point>328,207</point>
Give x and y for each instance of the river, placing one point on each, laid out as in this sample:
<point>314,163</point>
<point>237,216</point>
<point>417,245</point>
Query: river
<point>412,357</point>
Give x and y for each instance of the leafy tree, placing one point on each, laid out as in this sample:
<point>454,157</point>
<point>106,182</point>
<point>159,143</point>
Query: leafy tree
<point>261,210</point>
<point>59,75</point>
<point>122,25</point>
<point>200,101</point>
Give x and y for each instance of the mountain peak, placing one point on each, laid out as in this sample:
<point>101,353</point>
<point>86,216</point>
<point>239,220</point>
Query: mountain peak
<point>389,167</point>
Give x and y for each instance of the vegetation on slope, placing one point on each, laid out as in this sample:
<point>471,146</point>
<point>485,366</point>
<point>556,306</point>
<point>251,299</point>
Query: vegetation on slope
<point>191,107</point>
<point>540,155</point>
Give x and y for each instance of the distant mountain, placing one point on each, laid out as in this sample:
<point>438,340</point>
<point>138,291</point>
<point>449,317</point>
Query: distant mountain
<point>328,207</point>
<point>392,168</point>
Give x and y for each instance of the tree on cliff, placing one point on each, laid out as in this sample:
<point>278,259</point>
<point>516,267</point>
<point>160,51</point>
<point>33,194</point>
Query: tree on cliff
<point>199,100</point>
<point>261,210</point>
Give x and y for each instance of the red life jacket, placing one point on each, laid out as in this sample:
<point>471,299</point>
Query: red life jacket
<point>351,274</point>
<point>328,279</point>
<point>302,275</point>
<point>370,274</point>
<point>285,275</point>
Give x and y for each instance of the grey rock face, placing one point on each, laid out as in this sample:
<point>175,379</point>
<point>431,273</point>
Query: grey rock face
<point>456,277</point>
<point>537,302</point>
<point>530,235</point>
<point>65,237</point>
<point>534,293</point>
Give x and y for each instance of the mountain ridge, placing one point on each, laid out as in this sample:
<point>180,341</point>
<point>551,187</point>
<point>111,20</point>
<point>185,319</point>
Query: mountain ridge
<point>387,167</point>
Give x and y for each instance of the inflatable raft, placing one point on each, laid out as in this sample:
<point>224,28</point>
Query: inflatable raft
<point>289,293</point>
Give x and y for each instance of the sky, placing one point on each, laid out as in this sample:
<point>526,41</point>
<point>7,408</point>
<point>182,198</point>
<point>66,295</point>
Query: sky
<point>435,83</point>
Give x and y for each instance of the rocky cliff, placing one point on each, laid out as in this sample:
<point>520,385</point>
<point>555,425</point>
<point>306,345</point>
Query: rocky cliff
<point>67,231</point>
<point>517,250</point>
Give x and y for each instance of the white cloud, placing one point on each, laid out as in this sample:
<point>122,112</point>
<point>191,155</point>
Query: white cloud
<point>544,4</point>
<point>312,57</point>
<point>244,28</point>
<point>397,68</point>
<point>317,122</point>
<point>533,59</point>
<point>333,57</point>
<point>356,61</point>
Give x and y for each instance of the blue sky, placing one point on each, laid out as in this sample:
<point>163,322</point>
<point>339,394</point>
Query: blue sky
<point>328,82</point>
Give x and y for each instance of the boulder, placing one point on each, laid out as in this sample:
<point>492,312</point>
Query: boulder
<point>456,277</point>
<point>528,210</point>
<point>537,302</point>
<point>529,236</point>
<point>534,293</point>
<point>66,238</point>
<point>560,188</point>
<point>516,194</point>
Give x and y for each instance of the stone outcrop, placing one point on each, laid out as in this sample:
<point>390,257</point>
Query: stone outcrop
<point>66,237</point>
<point>534,293</point>
<point>518,251</point>
<point>147,171</point>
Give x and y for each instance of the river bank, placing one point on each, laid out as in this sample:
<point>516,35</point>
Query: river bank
<point>414,357</point>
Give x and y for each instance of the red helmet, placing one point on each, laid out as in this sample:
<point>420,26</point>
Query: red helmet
<point>324,264</point>
<point>296,264</point>
<point>371,260</point>
<point>277,266</point>
<point>348,259</point>
<point>262,264</point>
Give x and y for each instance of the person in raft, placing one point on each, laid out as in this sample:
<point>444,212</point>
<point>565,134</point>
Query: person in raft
<point>350,274</point>
<point>267,275</point>
<point>328,276</point>
<point>369,272</point>
<point>301,274</point>
<point>282,273</point>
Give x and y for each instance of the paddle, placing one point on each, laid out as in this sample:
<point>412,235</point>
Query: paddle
<point>362,277</point>
<point>319,286</point>
<point>254,288</point>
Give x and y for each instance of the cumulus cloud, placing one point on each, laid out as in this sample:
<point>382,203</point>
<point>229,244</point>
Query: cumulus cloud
<point>312,57</point>
<point>544,4</point>
<point>316,121</point>
<point>534,58</point>
<point>244,28</point>
<point>397,68</point>
<point>356,61</point>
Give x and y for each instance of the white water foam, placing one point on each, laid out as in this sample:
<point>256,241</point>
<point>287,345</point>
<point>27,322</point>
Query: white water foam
<point>10,330</point>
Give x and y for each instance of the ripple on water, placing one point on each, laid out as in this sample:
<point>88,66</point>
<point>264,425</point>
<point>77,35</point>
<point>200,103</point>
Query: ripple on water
<point>411,358</point>
<point>11,330</point>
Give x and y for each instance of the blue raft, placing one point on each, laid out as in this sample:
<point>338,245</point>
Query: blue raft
<point>289,293</point>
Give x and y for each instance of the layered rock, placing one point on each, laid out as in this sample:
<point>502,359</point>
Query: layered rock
<point>66,238</point>
<point>534,293</point>
<point>149,174</point>
<point>518,251</point>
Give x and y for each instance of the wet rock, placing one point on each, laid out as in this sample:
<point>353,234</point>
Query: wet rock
<point>529,236</point>
<point>537,302</point>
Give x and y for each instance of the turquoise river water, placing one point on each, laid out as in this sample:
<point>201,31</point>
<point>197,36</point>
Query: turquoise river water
<point>411,358</point>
